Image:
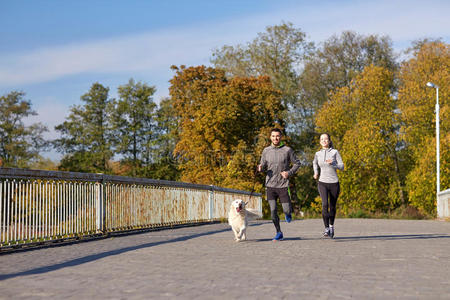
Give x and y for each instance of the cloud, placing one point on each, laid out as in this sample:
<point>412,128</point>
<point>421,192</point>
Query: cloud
<point>149,52</point>
<point>153,52</point>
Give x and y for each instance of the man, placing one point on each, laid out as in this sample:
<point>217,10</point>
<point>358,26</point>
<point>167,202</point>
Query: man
<point>276,160</point>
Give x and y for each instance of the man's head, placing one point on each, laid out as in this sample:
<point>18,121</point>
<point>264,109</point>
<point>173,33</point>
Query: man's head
<point>275,136</point>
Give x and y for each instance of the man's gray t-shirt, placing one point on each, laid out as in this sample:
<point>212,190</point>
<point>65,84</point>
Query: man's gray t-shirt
<point>276,160</point>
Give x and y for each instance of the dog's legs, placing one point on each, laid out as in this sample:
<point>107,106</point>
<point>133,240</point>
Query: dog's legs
<point>236,235</point>
<point>242,236</point>
<point>243,233</point>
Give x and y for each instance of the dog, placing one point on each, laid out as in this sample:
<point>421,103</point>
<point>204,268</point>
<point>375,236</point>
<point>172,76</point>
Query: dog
<point>238,217</point>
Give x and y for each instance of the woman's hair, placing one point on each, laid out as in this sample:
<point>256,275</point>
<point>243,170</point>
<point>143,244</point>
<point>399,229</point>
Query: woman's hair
<point>329,138</point>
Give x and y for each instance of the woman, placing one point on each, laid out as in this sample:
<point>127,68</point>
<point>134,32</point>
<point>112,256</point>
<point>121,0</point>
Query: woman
<point>328,160</point>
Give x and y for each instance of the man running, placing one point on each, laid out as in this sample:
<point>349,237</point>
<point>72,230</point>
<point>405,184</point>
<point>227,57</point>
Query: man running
<point>276,160</point>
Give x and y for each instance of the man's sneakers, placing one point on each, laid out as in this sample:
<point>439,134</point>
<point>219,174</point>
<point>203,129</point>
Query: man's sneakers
<point>288,218</point>
<point>331,232</point>
<point>278,237</point>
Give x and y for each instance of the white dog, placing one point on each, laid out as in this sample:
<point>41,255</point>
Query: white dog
<point>238,217</point>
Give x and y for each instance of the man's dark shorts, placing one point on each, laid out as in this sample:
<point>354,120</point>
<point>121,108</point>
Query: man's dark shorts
<point>278,193</point>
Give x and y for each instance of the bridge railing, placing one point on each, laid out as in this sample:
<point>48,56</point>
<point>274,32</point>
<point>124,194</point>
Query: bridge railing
<point>38,206</point>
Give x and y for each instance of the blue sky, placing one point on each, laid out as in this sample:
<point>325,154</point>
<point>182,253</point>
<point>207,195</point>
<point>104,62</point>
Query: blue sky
<point>55,50</point>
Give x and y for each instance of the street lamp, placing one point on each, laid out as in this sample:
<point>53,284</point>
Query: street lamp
<point>438,188</point>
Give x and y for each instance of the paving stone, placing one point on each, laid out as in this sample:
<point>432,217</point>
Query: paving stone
<point>368,259</point>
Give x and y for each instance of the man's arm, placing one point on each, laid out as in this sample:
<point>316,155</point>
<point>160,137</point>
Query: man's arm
<point>295,163</point>
<point>263,162</point>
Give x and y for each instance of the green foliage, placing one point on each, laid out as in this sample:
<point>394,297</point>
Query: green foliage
<point>134,126</point>
<point>86,137</point>
<point>19,144</point>
<point>165,164</point>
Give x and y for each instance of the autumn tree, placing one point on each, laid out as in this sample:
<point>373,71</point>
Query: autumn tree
<point>222,123</point>
<point>20,144</point>
<point>86,138</point>
<point>430,62</point>
<point>134,126</point>
<point>363,123</point>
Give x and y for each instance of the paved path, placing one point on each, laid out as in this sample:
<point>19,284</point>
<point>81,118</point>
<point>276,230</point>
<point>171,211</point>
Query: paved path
<point>368,259</point>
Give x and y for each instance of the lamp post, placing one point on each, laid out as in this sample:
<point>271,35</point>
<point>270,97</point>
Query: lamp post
<point>438,188</point>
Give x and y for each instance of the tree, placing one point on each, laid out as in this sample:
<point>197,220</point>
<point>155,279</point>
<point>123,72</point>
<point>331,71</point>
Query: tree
<point>335,65</point>
<point>19,144</point>
<point>165,165</point>
<point>222,124</point>
<point>363,122</point>
<point>133,125</point>
<point>86,137</point>
<point>277,53</point>
<point>430,62</point>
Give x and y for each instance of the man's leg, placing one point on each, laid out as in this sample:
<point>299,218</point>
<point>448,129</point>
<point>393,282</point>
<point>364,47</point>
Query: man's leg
<point>274,214</point>
<point>285,200</point>
<point>271,196</point>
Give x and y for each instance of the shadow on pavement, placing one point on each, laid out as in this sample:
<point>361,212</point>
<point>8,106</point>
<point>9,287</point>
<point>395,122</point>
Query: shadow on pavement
<point>269,240</point>
<point>391,237</point>
<point>93,257</point>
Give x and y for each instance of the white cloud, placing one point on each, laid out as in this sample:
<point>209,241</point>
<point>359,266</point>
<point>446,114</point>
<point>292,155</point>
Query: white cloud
<point>150,52</point>
<point>153,52</point>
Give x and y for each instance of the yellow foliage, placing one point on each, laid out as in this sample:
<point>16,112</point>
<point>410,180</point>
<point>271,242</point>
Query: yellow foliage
<point>361,122</point>
<point>430,63</point>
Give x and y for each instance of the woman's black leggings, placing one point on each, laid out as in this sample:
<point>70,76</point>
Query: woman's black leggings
<point>328,211</point>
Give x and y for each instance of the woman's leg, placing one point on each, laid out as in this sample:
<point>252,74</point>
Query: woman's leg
<point>323,191</point>
<point>334,194</point>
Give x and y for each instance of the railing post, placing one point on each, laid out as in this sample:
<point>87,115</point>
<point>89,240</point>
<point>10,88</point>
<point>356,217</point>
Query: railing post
<point>100,203</point>
<point>211,203</point>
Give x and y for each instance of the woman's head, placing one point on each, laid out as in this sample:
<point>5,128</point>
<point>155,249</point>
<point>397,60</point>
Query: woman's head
<point>325,141</point>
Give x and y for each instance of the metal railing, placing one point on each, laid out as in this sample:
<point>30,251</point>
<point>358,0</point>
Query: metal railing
<point>38,206</point>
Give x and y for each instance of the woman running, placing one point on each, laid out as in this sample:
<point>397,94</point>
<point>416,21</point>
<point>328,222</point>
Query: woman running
<point>328,160</point>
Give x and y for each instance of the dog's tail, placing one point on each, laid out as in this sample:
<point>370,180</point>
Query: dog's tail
<point>253,214</point>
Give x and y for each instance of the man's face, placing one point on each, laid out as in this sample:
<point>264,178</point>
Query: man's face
<point>275,137</point>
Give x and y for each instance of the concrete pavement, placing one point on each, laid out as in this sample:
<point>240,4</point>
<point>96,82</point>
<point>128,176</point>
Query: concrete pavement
<point>368,259</point>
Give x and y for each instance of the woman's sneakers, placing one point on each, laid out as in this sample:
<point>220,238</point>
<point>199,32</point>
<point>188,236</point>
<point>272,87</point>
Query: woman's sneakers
<point>278,237</point>
<point>328,232</point>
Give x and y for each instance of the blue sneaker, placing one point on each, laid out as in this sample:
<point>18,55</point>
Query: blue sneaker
<point>288,218</point>
<point>326,233</point>
<point>278,237</point>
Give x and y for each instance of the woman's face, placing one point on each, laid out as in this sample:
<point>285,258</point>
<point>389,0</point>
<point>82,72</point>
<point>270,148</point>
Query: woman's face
<point>324,141</point>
